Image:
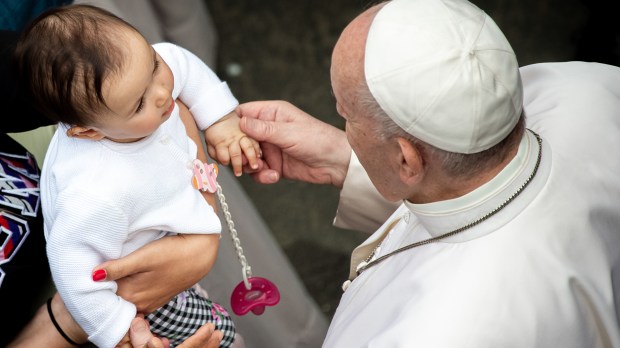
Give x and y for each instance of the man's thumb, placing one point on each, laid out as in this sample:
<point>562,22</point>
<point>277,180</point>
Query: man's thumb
<point>258,129</point>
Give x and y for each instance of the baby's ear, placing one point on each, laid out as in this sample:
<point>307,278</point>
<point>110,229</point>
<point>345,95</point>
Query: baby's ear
<point>84,133</point>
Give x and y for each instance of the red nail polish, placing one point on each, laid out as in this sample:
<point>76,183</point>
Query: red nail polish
<point>99,274</point>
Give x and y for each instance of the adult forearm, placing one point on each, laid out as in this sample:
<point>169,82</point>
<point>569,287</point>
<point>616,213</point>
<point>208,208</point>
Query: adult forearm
<point>41,332</point>
<point>338,156</point>
<point>150,276</point>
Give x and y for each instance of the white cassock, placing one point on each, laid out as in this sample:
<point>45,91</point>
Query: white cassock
<point>541,272</point>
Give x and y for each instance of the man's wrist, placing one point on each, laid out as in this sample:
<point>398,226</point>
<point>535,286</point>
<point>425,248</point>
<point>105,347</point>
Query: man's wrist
<point>342,152</point>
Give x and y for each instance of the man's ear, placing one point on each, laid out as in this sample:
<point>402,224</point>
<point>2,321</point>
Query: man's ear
<point>84,133</point>
<point>411,162</point>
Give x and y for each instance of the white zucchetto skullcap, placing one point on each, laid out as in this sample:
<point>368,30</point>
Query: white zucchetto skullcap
<point>444,72</point>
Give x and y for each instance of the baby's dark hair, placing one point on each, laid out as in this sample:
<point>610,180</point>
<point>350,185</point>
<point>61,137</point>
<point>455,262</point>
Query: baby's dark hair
<point>63,58</point>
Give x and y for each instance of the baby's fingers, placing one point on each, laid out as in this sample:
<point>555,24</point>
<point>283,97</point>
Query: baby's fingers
<point>212,152</point>
<point>222,154</point>
<point>251,150</point>
<point>236,158</point>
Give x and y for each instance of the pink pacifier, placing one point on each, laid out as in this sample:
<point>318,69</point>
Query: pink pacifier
<point>260,293</point>
<point>253,293</point>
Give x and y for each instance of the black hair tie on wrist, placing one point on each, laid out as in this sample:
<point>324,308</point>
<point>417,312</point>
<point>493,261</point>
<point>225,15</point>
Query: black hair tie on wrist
<point>62,333</point>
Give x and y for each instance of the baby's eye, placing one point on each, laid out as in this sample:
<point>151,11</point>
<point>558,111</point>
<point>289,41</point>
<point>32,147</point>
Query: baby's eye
<point>140,105</point>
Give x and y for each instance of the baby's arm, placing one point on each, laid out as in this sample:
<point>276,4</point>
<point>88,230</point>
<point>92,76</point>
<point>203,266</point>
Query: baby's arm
<point>226,144</point>
<point>212,105</point>
<point>81,237</point>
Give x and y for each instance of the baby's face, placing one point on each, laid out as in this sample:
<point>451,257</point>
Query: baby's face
<point>140,95</point>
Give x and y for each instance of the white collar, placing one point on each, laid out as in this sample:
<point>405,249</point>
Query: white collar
<point>444,216</point>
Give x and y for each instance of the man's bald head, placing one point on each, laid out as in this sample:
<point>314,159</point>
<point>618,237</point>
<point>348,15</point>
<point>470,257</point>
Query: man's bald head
<point>349,52</point>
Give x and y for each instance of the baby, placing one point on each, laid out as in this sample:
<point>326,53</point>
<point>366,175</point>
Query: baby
<point>118,172</point>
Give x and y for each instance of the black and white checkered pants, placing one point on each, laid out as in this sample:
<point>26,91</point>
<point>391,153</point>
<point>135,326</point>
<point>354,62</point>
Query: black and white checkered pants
<point>186,313</point>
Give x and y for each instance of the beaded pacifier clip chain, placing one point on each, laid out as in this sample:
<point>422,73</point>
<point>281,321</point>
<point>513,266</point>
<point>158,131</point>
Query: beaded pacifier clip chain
<point>253,293</point>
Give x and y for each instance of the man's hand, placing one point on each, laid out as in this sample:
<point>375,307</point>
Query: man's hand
<point>295,145</point>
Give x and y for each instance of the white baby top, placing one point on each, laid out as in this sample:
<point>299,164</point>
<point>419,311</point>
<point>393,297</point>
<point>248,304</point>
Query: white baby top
<point>102,200</point>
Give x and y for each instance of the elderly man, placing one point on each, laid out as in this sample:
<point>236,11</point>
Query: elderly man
<point>508,231</point>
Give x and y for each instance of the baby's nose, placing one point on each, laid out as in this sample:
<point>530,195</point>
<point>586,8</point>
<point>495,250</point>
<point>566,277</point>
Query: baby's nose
<point>162,97</point>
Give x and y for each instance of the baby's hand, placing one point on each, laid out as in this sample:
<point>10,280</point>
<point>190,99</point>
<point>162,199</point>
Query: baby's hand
<point>226,143</point>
